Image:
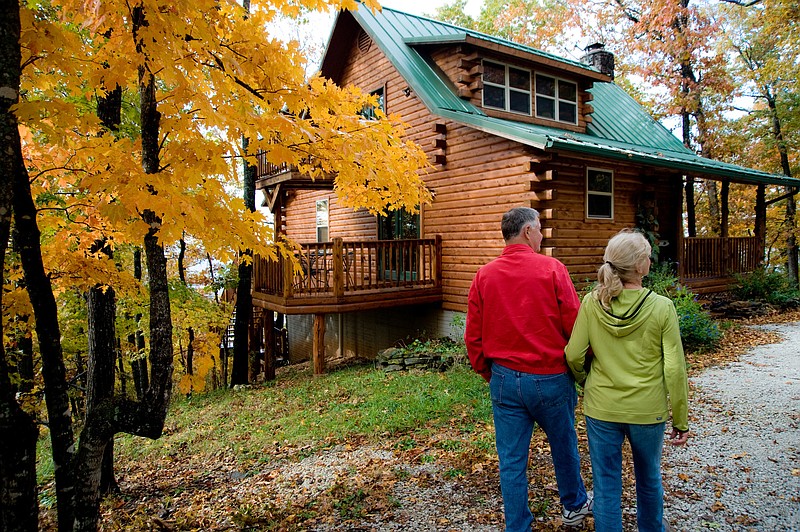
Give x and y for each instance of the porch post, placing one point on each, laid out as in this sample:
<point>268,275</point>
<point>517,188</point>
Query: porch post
<point>761,221</point>
<point>318,346</point>
<point>724,209</point>
<point>269,345</point>
<point>338,267</point>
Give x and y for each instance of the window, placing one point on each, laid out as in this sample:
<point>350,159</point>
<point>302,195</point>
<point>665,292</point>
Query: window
<point>506,88</point>
<point>368,112</point>
<point>556,99</point>
<point>398,225</point>
<point>599,193</point>
<point>322,221</point>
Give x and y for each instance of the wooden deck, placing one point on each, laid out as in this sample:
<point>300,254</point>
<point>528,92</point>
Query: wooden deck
<point>341,276</point>
<point>710,265</point>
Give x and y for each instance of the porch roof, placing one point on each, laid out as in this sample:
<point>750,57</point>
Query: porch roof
<point>620,128</point>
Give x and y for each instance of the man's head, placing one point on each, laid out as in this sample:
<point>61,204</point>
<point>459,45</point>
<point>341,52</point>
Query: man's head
<point>521,225</point>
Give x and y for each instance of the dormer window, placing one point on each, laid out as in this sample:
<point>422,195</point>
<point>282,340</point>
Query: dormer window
<point>556,99</point>
<point>368,112</point>
<point>506,88</point>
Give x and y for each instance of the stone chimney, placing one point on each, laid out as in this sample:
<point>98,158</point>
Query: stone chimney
<point>598,57</point>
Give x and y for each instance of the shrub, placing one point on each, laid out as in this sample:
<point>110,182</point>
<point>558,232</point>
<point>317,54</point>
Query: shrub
<point>662,279</point>
<point>772,287</point>
<point>698,331</point>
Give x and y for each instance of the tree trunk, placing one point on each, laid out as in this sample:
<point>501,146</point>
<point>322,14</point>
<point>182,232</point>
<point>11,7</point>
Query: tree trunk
<point>101,317</point>
<point>244,298</point>
<point>790,218</point>
<point>45,311</point>
<point>18,432</point>
<point>139,362</point>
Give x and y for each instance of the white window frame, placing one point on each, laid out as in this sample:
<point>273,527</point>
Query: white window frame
<point>556,99</point>
<point>599,193</point>
<point>319,222</point>
<point>509,89</point>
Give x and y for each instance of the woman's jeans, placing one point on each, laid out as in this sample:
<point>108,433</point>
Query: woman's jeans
<point>518,400</point>
<point>605,449</point>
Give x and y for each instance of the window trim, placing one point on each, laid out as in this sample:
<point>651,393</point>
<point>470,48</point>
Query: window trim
<point>556,98</point>
<point>508,88</point>
<point>598,193</point>
<point>327,225</point>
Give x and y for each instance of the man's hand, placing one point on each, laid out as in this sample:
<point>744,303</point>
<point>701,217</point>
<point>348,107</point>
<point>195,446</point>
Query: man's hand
<point>678,437</point>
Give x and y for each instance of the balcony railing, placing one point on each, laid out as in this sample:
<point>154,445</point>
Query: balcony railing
<point>719,257</point>
<point>340,272</point>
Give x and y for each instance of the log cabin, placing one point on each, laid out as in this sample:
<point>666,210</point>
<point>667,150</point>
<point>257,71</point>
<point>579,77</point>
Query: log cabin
<point>504,125</point>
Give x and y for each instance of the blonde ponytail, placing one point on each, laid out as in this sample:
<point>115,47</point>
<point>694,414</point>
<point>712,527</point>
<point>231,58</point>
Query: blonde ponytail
<point>625,252</point>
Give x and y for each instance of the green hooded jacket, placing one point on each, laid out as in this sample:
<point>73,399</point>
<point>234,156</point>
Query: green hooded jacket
<point>636,367</point>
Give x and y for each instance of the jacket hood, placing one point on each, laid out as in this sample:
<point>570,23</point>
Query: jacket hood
<point>629,311</point>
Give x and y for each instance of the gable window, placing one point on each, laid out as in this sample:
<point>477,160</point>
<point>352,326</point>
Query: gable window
<point>506,88</point>
<point>368,112</point>
<point>322,220</point>
<point>556,99</point>
<point>599,193</point>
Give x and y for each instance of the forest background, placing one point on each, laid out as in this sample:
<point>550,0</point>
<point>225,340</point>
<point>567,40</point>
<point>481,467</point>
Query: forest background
<point>127,202</point>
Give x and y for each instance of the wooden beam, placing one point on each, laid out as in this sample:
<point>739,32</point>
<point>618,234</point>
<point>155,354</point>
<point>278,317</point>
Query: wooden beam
<point>318,348</point>
<point>440,128</point>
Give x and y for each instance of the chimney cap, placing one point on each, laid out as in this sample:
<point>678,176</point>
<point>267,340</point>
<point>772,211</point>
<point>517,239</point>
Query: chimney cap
<point>595,46</point>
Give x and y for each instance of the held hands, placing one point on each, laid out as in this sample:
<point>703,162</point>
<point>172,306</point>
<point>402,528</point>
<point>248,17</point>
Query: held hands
<point>678,437</point>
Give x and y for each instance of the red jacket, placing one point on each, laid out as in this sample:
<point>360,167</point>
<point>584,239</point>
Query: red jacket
<point>522,307</point>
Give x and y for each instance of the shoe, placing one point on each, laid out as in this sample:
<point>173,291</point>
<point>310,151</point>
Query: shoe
<point>575,517</point>
<point>665,525</point>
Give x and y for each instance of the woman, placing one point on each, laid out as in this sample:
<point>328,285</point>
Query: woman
<point>637,370</point>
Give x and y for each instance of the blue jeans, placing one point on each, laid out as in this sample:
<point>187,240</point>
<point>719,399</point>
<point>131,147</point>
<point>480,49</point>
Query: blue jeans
<point>605,449</point>
<point>518,400</point>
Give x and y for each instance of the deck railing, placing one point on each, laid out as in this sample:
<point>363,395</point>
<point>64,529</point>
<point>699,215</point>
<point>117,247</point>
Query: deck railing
<point>340,268</point>
<point>719,257</point>
<point>268,169</point>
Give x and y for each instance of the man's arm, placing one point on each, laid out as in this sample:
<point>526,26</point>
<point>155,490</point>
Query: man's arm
<point>568,301</point>
<point>473,333</point>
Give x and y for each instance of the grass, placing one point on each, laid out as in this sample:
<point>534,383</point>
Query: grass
<point>315,412</point>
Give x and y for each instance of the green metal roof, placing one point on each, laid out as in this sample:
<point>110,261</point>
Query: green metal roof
<point>620,128</point>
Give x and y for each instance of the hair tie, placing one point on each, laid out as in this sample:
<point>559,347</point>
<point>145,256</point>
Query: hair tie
<point>610,264</point>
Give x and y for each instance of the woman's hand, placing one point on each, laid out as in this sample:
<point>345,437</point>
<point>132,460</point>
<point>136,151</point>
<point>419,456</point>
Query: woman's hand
<point>678,437</point>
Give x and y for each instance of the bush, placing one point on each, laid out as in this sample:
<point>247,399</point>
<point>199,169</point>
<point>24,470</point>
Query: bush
<point>662,279</point>
<point>698,331</point>
<point>772,287</point>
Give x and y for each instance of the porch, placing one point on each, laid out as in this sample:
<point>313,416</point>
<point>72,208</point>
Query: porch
<point>341,276</point>
<point>709,264</point>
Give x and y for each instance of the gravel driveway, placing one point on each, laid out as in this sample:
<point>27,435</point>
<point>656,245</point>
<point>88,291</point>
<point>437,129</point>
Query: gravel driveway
<point>741,471</point>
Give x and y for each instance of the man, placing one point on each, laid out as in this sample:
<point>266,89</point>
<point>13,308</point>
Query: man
<point>522,307</point>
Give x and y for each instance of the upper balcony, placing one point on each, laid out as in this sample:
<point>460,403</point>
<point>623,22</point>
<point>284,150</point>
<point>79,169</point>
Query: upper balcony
<point>269,175</point>
<point>341,276</point>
